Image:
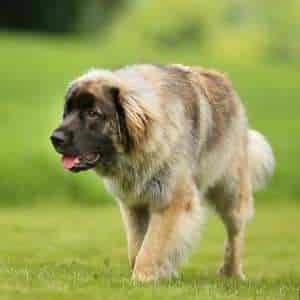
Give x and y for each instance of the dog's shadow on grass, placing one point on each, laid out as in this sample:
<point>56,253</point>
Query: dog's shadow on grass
<point>287,281</point>
<point>114,275</point>
<point>224,285</point>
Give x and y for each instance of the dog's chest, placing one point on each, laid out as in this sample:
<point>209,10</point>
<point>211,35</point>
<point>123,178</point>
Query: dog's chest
<point>135,191</point>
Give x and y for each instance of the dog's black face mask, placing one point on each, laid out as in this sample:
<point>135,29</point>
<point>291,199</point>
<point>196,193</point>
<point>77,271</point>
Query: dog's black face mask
<point>89,134</point>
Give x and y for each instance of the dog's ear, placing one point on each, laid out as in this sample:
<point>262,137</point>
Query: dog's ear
<point>123,132</point>
<point>132,116</point>
<point>71,91</point>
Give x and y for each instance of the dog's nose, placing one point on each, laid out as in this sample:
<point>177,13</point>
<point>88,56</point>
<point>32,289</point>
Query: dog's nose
<point>59,138</point>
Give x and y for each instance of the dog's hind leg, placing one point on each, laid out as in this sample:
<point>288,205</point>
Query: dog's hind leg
<point>233,201</point>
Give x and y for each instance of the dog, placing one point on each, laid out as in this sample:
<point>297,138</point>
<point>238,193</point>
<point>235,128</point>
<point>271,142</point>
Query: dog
<point>168,141</point>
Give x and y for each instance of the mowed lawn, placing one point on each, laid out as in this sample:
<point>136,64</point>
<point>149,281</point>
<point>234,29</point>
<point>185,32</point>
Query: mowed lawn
<point>55,249</point>
<point>74,252</point>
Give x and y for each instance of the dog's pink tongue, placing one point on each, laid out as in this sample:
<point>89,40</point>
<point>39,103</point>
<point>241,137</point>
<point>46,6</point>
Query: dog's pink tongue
<point>69,161</point>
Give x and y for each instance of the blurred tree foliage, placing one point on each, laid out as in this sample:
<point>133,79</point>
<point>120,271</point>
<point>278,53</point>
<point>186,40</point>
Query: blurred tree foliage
<point>257,29</point>
<point>267,29</point>
<point>57,16</point>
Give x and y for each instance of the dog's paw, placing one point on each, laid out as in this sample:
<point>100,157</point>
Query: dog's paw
<point>229,272</point>
<point>139,276</point>
<point>152,274</point>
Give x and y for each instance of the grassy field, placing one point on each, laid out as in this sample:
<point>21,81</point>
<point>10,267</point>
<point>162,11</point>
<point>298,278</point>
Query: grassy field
<point>80,253</point>
<point>59,243</point>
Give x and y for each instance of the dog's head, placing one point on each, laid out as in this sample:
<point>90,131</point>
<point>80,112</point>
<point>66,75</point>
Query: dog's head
<point>102,120</point>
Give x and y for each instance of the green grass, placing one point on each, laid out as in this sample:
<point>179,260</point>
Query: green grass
<point>74,252</point>
<point>54,250</point>
<point>51,249</point>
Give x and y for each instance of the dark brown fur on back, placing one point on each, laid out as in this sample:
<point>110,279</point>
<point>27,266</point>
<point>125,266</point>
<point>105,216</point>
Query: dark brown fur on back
<point>178,84</point>
<point>220,94</point>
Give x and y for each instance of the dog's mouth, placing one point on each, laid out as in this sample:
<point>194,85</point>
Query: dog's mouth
<point>80,163</point>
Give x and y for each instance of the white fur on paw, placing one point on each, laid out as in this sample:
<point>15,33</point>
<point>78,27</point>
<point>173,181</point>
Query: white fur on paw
<point>153,275</point>
<point>141,277</point>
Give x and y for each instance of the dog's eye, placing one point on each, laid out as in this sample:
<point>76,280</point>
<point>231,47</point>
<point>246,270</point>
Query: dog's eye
<point>92,113</point>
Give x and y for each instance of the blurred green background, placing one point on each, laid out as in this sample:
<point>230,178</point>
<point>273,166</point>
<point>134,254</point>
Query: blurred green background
<point>60,239</point>
<point>45,44</point>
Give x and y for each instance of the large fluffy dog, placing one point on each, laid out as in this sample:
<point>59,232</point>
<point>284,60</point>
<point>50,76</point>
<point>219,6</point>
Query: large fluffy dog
<point>166,140</point>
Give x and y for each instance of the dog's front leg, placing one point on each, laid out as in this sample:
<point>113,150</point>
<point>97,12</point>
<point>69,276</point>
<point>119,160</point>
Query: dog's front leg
<point>170,234</point>
<point>136,223</point>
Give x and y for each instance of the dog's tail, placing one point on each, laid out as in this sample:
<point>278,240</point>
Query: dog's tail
<point>261,159</point>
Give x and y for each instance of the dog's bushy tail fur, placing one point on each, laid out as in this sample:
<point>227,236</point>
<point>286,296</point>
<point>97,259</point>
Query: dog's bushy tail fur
<point>261,159</point>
